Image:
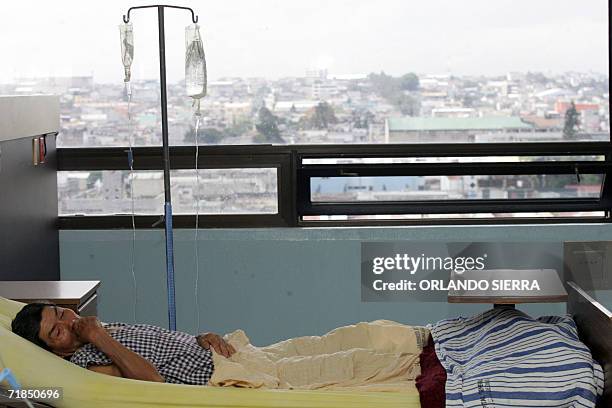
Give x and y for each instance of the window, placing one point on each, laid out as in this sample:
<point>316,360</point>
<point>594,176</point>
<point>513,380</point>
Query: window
<point>426,182</point>
<point>473,187</point>
<point>252,191</point>
<point>358,72</point>
<point>296,100</point>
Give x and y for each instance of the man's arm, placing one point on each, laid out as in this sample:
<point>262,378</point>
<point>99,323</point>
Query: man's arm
<point>130,364</point>
<point>106,369</point>
<point>126,363</point>
<point>208,340</point>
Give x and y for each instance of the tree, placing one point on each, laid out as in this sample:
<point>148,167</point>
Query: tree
<point>211,136</point>
<point>361,119</point>
<point>205,136</point>
<point>571,121</point>
<point>259,96</point>
<point>406,104</point>
<point>561,181</point>
<point>322,116</point>
<point>268,127</point>
<point>537,77</point>
<point>384,85</point>
<point>93,177</point>
<point>394,91</point>
<point>409,82</point>
<point>238,128</point>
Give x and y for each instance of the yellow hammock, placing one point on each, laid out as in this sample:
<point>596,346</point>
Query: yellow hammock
<point>36,368</point>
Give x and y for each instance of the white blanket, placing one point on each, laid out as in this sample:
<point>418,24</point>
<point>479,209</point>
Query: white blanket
<point>376,356</point>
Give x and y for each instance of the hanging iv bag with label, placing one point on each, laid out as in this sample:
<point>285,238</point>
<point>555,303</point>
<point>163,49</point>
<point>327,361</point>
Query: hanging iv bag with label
<point>195,63</point>
<point>127,49</point>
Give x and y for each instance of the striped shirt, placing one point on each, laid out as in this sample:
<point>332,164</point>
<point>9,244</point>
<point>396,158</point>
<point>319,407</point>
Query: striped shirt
<point>176,355</point>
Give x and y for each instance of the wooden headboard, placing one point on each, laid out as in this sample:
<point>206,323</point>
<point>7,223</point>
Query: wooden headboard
<point>594,323</point>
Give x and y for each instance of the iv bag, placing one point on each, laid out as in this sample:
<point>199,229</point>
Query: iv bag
<point>127,49</point>
<point>195,63</point>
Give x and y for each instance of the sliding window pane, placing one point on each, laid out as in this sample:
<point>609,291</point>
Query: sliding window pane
<point>221,191</point>
<point>477,187</point>
<point>410,217</point>
<point>442,159</point>
<point>109,193</point>
<point>225,191</point>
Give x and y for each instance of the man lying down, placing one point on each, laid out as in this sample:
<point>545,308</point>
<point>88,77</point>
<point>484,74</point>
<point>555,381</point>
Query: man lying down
<point>376,356</point>
<point>140,351</point>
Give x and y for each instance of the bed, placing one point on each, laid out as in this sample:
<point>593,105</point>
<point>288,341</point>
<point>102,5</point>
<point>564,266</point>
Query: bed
<point>41,369</point>
<point>594,323</point>
<point>37,368</point>
<point>506,357</point>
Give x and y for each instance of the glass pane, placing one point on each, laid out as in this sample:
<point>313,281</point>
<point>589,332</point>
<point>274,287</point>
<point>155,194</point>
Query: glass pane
<point>588,266</point>
<point>603,296</point>
<point>399,217</point>
<point>225,191</point>
<point>108,192</point>
<point>468,159</point>
<point>421,188</point>
<point>221,191</point>
<point>285,72</point>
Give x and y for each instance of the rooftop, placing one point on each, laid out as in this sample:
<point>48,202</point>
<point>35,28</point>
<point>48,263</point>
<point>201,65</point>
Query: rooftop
<point>433,124</point>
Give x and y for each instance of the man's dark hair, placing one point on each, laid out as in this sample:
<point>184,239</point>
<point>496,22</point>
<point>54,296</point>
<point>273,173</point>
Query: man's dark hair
<point>27,323</point>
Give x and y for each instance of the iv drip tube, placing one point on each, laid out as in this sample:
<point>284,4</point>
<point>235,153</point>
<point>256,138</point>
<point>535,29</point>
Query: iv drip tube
<point>197,215</point>
<point>170,283</point>
<point>131,163</point>
<point>127,57</point>
<point>195,84</point>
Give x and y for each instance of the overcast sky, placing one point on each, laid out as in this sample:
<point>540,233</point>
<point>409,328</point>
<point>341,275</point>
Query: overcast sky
<point>274,38</point>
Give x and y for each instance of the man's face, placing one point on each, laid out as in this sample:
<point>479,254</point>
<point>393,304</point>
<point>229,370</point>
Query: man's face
<point>56,329</point>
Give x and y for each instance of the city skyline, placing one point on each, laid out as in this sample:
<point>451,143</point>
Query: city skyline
<point>274,39</point>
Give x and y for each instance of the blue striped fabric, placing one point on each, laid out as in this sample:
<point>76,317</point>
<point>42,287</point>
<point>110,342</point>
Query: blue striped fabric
<point>504,358</point>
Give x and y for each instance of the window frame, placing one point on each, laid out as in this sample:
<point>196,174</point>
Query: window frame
<point>294,181</point>
<point>181,158</point>
<point>308,171</point>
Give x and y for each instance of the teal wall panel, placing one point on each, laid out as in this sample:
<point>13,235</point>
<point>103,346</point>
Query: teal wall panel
<point>273,283</point>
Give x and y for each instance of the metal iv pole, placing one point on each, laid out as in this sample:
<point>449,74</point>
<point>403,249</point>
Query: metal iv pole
<point>167,217</point>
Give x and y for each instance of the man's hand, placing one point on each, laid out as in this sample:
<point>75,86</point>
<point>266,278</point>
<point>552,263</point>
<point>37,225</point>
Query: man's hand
<point>88,329</point>
<point>206,340</point>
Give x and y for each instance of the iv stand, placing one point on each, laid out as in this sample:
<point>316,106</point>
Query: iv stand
<point>167,217</point>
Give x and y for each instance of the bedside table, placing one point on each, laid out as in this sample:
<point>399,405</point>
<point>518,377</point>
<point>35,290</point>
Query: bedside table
<point>80,296</point>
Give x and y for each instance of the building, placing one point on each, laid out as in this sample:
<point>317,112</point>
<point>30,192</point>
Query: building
<point>562,106</point>
<point>237,111</point>
<point>453,112</point>
<point>56,85</point>
<point>590,120</point>
<point>456,130</point>
<point>322,90</point>
<point>545,123</point>
<point>299,106</point>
